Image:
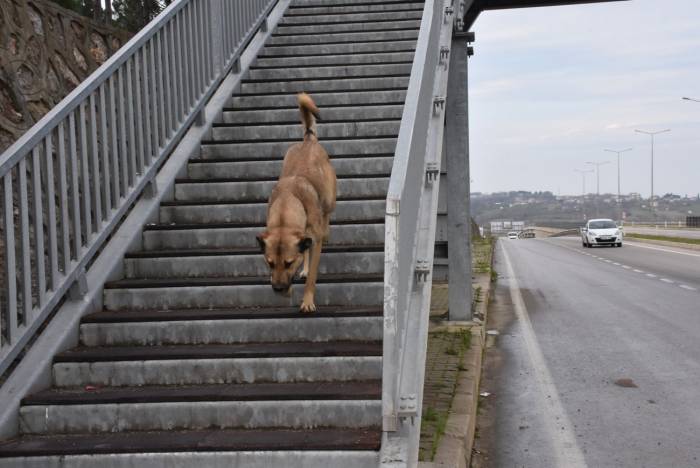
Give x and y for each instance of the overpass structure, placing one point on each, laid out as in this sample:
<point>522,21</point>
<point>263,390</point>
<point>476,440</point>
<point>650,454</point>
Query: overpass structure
<point>138,326</point>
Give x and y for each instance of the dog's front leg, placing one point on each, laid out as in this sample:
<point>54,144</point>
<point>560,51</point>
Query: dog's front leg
<point>307,304</point>
<point>305,269</point>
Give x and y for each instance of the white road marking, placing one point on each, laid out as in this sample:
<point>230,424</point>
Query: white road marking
<point>663,250</point>
<point>615,263</point>
<point>625,266</point>
<point>651,275</point>
<point>564,444</point>
<point>609,261</point>
<point>666,280</point>
<point>685,286</point>
<point>638,271</point>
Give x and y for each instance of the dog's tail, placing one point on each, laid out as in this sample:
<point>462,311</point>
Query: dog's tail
<point>309,114</point>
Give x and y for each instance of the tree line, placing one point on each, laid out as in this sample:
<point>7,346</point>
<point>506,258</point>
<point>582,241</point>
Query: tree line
<point>131,15</point>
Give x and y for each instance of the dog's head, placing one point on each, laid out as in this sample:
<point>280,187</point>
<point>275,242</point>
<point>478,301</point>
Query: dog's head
<point>284,252</point>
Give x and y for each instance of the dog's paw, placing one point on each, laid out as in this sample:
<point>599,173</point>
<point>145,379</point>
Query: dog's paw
<point>307,306</point>
<point>303,274</point>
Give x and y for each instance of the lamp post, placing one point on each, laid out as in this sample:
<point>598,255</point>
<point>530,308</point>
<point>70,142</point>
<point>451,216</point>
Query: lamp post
<point>597,173</point>
<point>618,152</point>
<point>583,178</point>
<point>652,135</point>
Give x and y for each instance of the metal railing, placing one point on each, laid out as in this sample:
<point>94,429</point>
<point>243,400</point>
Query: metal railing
<point>68,182</point>
<point>410,222</point>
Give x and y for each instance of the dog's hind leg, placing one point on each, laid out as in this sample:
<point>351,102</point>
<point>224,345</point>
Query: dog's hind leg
<point>307,304</point>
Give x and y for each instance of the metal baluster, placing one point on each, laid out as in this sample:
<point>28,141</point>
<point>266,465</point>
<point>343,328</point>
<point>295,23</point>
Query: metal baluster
<point>114,133</point>
<point>85,169</point>
<point>26,251</point>
<point>139,78</point>
<point>51,203</point>
<point>10,267</point>
<point>191,96</point>
<point>145,78</point>
<point>63,197</point>
<point>158,41</point>
<point>199,50</point>
<point>132,115</point>
<point>75,187</point>
<point>38,225</point>
<point>154,100</point>
<point>123,135</point>
<point>169,113</point>
<point>106,178</point>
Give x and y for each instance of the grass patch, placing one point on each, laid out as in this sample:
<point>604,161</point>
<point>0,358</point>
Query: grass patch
<point>678,240</point>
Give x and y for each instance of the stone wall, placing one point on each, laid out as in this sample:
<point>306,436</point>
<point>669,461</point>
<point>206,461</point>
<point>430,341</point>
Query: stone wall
<point>45,52</point>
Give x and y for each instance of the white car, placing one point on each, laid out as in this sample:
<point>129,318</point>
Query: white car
<point>601,232</point>
<point>512,235</point>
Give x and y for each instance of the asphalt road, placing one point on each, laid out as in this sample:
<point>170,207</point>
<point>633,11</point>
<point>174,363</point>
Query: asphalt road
<point>597,361</point>
<point>688,233</point>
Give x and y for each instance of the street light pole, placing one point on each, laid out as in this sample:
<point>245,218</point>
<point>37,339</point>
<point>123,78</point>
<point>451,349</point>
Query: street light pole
<point>618,152</point>
<point>597,173</point>
<point>652,135</point>
<point>583,177</point>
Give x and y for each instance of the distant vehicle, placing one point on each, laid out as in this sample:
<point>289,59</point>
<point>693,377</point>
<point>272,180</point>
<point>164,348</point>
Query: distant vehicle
<point>528,234</point>
<point>601,232</point>
<point>512,235</point>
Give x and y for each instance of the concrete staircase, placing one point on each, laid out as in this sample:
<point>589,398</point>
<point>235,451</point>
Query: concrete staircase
<point>194,361</point>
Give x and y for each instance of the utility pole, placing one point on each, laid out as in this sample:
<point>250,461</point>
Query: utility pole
<point>583,179</point>
<point>652,135</point>
<point>618,152</point>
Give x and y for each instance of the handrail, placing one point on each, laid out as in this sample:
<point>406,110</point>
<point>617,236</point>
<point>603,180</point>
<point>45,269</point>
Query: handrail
<point>84,163</point>
<point>411,210</point>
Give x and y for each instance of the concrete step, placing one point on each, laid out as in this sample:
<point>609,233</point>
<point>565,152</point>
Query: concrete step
<point>187,293</point>
<point>224,190</point>
<point>199,415</point>
<point>218,364</point>
<point>203,169</point>
<point>307,3</point>
<point>360,210</point>
<point>341,10</point>
<point>340,37</point>
<point>245,262</point>
<point>330,115</point>
<point>324,85</point>
<point>366,17</point>
<point>369,128</point>
<point>232,448</point>
<point>266,149</point>
<point>349,27</point>
<point>228,326</point>
<point>232,331</point>
<point>163,237</point>
<point>332,60</point>
<point>407,45</point>
<point>323,100</point>
<point>316,72</point>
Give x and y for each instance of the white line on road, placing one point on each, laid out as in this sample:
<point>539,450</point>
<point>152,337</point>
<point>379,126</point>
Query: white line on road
<point>651,275</point>
<point>557,422</point>
<point>625,266</point>
<point>638,271</point>
<point>615,263</point>
<point>666,280</point>
<point>689,288</point>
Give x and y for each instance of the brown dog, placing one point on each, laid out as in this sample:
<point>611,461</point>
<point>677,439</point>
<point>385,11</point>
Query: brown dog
<point>299,210</point>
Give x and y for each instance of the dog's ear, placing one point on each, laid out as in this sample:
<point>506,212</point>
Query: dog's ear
<point>261,240</point>
<point>304,243</point>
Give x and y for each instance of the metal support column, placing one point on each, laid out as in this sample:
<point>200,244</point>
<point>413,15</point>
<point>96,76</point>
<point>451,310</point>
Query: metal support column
<point>457,160</point>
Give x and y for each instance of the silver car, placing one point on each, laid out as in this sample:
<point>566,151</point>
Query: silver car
<point>601,232</point>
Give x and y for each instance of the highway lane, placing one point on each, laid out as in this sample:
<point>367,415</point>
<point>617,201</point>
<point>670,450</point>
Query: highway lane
<point>599,366</point>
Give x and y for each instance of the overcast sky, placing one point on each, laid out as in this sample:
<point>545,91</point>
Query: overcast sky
<point>550,88</point>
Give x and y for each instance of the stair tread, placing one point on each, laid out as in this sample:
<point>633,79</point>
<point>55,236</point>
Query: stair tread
<point>187,226</point>
<point>220,351</point>
<point>218,160</point>
<point>245,251</point>
<point>357,390</point>
<point>215,440</point>
<point>239,281</point>
<point>247,313</point>
<point>213,180</point>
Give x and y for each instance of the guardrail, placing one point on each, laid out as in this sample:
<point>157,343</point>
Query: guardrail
<point>410,222</point>
<point>68,182</point>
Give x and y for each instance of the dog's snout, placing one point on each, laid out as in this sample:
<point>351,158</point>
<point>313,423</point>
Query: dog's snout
<point>280,287</point>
